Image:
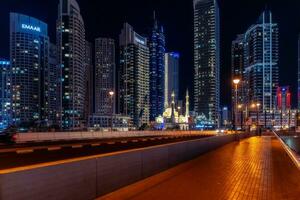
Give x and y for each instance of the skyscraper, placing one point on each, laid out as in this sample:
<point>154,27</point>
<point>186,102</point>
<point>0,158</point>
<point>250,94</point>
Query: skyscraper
<point>283,95</point>
<point>89,80</point>
<point>134,76</point>
<point>53,90</point>
<point>71,50</point>
<point>237,72</point>
<point>29,46</point>
<point>261,62</point>
<point>157,70</point>
<point>237,56</point>
<point>171,77</point>
<point>105,72</point>
<point>207,59</point>
<point>5,102</point>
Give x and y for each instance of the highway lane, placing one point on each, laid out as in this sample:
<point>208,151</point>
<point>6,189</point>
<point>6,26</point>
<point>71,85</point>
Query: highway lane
<point>19,156</point>
<point>6,148</point>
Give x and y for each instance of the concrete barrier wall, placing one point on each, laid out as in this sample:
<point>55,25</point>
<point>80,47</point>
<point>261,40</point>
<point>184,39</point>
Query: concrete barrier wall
<point>52,136</point>
<point>96,176</point>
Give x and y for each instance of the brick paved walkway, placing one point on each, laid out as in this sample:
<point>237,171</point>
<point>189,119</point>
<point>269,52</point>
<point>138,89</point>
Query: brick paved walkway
<point>255,168</point>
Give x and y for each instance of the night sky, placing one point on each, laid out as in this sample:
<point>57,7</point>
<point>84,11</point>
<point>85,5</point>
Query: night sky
<point>104,18</point>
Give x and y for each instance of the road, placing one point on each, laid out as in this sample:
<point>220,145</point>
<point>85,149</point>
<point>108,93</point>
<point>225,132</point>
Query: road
<point>28,154</point>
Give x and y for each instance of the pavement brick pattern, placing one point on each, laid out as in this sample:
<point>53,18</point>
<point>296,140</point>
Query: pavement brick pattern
<point>255,168</point>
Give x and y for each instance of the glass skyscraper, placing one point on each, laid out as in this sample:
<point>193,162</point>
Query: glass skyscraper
<point>237,68</point>
<point>89,80</point>
<point>157,70</point>
<point>5,102</point>
<point>29,46</point>
<point>53,89</point>
<point>237,57</point>
<point>71,52</point>
<point>105,72</point>
<point>207,59</point>
<point>134,76</point>
<point>261,62</point>
<point>171,77</point>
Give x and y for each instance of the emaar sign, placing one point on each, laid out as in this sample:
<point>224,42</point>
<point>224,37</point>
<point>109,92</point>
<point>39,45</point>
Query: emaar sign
<point>140,40</point>
<point>32,28</point>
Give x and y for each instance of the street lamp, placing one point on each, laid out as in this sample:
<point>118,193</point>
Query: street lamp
<point>111,94</point>
<point>257,105</point>
<point>236,83</point>
<point>257,113</point>
<point>240,106</point>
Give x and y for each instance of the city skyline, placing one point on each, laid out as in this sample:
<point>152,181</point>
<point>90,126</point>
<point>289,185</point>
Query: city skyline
<point>287,39</point>
<point>125,100</point>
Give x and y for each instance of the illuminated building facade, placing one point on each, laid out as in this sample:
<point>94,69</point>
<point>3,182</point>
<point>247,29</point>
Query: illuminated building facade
<point>283,98</point>
<point>53,89</point>
<point>171,77</point>
<point>105,72</point>
<point>157,70</point>
<point>134,76</point>
<point>237,68</point>
<point>5,103</point>
<point>225,116</point>
<point>173,116</point>
<point>207,59</point>
<point>29,46</point>
<point>71,50</point>
<point>89,80</point>
<point>261,62</point>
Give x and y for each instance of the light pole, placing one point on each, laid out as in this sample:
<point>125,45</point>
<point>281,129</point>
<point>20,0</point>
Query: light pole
<point>242,117</point>
<point>257,117</point>
<point>236,83</point>
<point>289,119</point>
<point>111,94</point>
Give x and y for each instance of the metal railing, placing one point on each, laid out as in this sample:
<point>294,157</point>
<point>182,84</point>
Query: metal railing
<point>292,154</point>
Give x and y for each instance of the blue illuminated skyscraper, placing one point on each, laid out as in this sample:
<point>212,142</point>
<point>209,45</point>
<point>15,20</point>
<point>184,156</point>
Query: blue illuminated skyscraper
<point>29,51</point>
<point>157,70</point>
<point>207,59</point>
<point>71,52</point>
<point>5,103</point>
<point>171,77</point>
<point>261,49</point>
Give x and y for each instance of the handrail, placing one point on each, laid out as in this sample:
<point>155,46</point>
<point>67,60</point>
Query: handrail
<point>295,157</point>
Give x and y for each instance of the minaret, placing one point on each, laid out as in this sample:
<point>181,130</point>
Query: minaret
<point>187,104</point>
<point>173,107</point>
<point>155,20</point>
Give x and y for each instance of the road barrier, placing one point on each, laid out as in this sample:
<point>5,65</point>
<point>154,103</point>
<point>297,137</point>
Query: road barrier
<point>90,177</point>
<point>55,136</point>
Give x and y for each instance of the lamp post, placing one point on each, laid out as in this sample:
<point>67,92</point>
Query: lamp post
<point>111,95</point>
<point>236,83</point>
<point>257,117</point>
<point>242,118</point>
<point>257,113</point>
<point>289,123</point>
